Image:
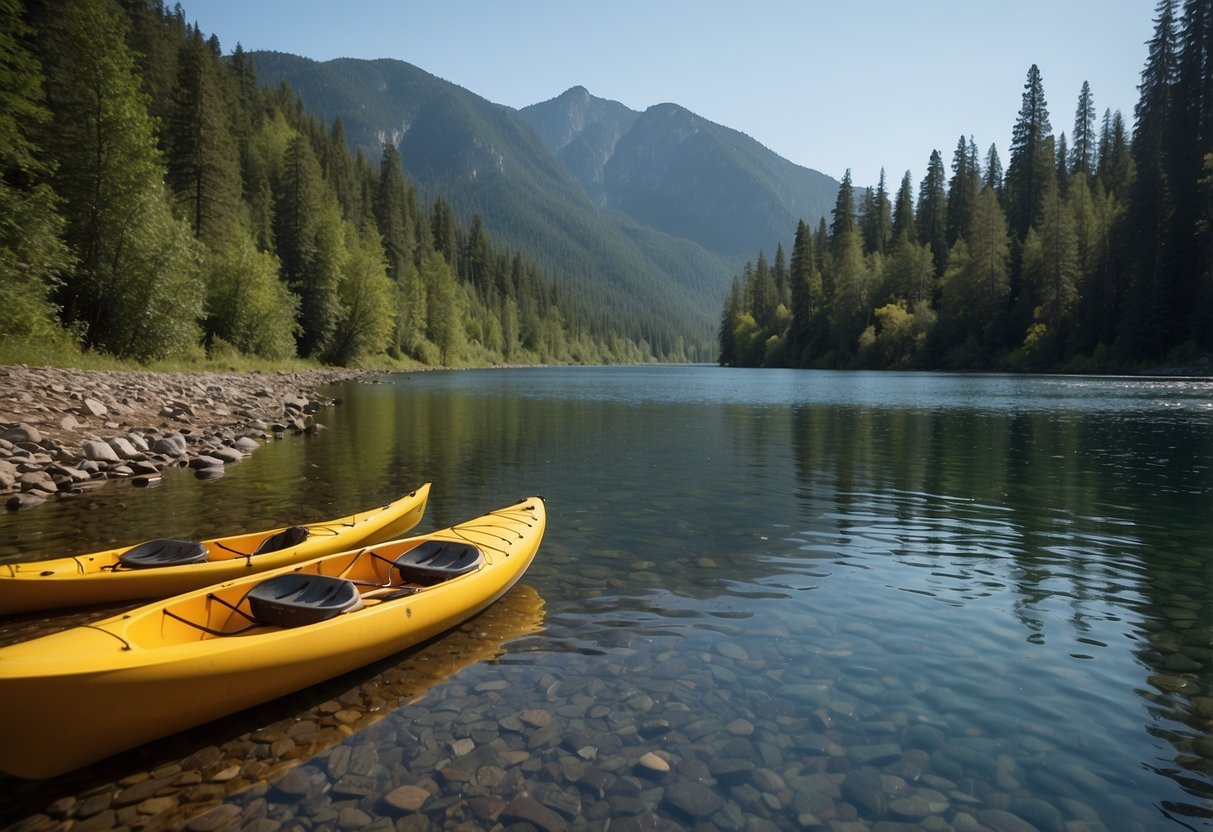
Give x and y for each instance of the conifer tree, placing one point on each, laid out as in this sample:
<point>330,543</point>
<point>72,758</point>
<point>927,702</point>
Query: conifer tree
<point>931,216</point>
<point>963,189</point>
<point>805,290</point>
<point>1149,326</point>
<point>136,289</point>
<point>993,171</point>
<point>32,254</point>
<point>903,211</point>
<point>1031,159</point>
<point>779,273</point>
<point>1083,154</point>
<point>878,220</point>
<point>203,166</point>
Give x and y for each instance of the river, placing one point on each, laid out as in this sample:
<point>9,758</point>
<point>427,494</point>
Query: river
<point>819,599</point>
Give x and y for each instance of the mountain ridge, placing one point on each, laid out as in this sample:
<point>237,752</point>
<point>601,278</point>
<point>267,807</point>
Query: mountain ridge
<point>652,222</point>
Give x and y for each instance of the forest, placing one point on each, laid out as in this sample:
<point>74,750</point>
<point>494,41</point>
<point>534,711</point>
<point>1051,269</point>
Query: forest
<point>156,203</point>
<point>1087,253</point>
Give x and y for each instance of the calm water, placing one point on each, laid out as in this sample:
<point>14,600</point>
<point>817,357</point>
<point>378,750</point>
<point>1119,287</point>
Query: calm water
<point>823,599</point>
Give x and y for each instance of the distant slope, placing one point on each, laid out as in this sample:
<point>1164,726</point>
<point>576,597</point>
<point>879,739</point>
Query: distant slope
<point>582,131</point>
<point>486,159</point>
<point>681,174</point>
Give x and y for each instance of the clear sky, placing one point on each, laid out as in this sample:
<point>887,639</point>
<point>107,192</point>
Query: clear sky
<point>828,84</point>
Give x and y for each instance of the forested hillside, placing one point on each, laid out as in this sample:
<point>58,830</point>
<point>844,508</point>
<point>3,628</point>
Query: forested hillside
<point>486,159</point>
<point>1092,251</point>
<point>157,201</point>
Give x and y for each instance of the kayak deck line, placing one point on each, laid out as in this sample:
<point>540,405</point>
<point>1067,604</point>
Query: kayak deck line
<point>400,579</point>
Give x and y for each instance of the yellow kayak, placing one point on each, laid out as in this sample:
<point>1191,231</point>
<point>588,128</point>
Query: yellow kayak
<point>159,568</point>
<point>76,696</point>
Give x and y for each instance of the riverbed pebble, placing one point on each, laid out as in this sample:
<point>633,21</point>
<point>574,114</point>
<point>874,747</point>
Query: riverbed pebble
<point>127,424</point>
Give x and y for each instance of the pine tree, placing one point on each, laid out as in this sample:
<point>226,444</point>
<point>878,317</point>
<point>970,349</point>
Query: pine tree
<point>1083,154</point>
<point>843,221</point>
<point>1031,159</point>
<point>136,289</point>
<point>805,290</point>
<point>963,189</point>
<point>203,166</point>
<point>779,272</point>
<point>903,211</point>
<point>931,216</point>
<point>393,215</point>
<point>764,297</point>
<point>1149,328</point>
<point>32,255</point>
<point>877,220</point>
<point>993,174</point>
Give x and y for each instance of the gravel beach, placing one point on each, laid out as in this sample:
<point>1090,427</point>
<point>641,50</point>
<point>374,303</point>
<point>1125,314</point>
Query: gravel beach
<point>64,431</point>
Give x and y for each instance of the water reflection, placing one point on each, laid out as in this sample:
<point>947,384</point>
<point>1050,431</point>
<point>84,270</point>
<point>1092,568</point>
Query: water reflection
<point>261,744</point>
<point>942,601</point>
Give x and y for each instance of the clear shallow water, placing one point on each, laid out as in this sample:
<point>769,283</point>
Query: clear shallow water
<point>994,594</point>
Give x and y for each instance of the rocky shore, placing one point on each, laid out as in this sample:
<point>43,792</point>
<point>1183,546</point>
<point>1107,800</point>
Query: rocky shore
<point>65,431</point>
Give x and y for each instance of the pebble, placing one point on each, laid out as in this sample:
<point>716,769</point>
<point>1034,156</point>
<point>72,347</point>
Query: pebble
<point>127,424</point>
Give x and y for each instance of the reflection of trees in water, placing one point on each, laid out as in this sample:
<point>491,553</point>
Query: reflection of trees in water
<point>1051,506</point>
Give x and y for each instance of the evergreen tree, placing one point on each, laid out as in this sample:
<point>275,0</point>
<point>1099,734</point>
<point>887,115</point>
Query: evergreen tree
<point>903,211</point>
<point>764,297</point>
<point>931,216</point>
<point>136,290</point>
<point>1061,158</point>
<point>1054,277</point>
<point>779,272</point>
<point>728,321</point>
<point>32,254</point>
<point>843,221</point>
<point>877,220</point>
<point>1149,328</point>
<point>806,289</point>
<point>993,173</point>
<point>1083,154</point>
<point>963,189</point>
<point>1031,158</point>
<point>203,167</point>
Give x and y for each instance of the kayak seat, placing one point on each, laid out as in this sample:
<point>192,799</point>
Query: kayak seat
<point>297,598</point>
<point>435,561</point>
<point>285,539</point>
<point>163,552</point>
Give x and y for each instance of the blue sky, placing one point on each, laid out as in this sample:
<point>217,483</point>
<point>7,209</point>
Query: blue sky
<point>859,84</point>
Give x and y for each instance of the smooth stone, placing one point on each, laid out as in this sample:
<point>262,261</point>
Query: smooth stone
<point>691,800</point>
<point>94,408</point>
<point>99,451</point>
<point>228,455</point>
<point>1000,821</point>
<point>214,820</point>
<point>875,755</point>
<point>294,784</point>
<point>865,789</point>
<point>352,818</point>
<point>122,447</point>
<point>26,499</point>
<point>529,810</point>
<point>1044,816</point>
<point>22,433</point>
<point>652,763</point>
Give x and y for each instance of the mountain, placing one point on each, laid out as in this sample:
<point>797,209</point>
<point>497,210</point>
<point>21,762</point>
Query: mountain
<point>484,158</point>
<point>582,131</point>
<point>648,215</point>
<point>681,174</point>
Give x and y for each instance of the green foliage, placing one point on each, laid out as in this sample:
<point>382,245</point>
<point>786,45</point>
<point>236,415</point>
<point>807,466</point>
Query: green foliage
<point>247,306</point>
<point>1098,258</point>
<point>136,289</point>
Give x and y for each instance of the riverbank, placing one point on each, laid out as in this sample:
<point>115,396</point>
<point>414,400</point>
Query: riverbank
<point>67,431</point>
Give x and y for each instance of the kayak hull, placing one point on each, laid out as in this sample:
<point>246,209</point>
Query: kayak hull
<point>93,579</point>
<point>184,661</point>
